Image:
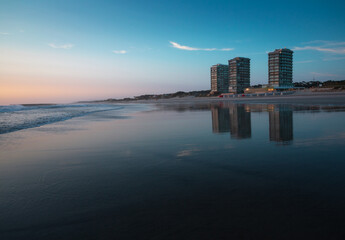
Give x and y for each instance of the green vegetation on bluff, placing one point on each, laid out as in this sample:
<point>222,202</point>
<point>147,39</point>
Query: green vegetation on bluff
<point>179,94</point>
<point>327,84</point>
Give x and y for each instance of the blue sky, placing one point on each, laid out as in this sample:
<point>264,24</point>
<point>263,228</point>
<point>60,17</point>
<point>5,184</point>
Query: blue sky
<point>62,51</point>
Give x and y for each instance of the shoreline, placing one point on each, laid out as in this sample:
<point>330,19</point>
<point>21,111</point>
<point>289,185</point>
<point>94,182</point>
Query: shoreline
<point>337,98</point>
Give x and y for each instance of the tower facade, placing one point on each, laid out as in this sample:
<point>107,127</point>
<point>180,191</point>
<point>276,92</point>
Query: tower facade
<point>219,78</point>
<point>280,68</point>
<point>239,74</point>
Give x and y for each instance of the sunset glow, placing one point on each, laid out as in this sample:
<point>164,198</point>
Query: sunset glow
<point>116,49</point>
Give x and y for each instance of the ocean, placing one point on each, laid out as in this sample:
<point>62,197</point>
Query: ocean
<point>18,117</point>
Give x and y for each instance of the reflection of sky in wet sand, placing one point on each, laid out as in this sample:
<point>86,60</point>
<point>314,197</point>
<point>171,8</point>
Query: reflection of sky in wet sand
<point>167,172</point>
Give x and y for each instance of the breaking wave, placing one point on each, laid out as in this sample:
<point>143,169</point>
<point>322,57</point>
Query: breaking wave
<point>18,117</point>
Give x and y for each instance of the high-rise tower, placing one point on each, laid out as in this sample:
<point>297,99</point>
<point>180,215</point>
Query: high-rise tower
<point>219,78</point>
<point>239,74</point>
<point>280,68</point>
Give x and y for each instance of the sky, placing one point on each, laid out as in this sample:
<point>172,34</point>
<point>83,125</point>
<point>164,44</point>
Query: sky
<point>65,51</point>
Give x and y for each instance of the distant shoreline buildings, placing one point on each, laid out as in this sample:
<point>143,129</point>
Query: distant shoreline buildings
<point>235,77</point>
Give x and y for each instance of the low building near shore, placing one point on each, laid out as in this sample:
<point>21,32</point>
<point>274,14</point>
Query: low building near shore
<point>263,89</point>
<point>268,89</point>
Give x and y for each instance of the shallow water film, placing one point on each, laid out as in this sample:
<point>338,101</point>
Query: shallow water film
<point>198,171</point>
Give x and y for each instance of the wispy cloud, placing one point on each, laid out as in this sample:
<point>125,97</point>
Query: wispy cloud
<point>323,46</point>
<point>4,33</point>
<point>322,49</point>
<point>187,48</point>
<point>226,49</point>
<point>333,58</point>
<point>64,46</point>
<point>306,61</point>
<point>120,51</point>
<point>324,74</point>
<point>324,42</point>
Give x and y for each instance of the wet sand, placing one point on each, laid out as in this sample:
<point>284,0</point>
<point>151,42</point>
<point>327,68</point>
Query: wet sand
<point>215,171</point>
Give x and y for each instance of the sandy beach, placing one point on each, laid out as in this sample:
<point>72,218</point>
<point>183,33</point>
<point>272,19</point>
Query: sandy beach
<point>299,97</point>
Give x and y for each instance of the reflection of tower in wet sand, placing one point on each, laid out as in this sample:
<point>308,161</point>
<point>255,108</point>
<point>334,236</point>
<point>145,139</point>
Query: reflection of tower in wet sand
<point>280,121</point>
<point>220,119</point>
<point>240,123</point>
